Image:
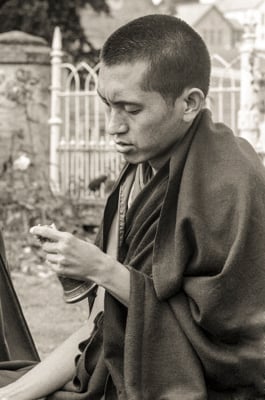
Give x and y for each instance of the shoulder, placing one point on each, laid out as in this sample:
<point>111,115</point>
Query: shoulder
<point>222,174</point>
<point>220,154</point>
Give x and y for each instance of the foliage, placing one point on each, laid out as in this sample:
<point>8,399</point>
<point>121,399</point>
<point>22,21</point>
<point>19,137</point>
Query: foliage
<point>26,198</point>
<point>39,17</point>
<point>26,201</point>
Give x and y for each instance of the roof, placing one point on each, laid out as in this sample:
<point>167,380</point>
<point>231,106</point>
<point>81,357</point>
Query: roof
<point>238,5</point>
<point>19,37</point>
<point>229,55</point>
<point>192,13</point>
<point>236,24</point>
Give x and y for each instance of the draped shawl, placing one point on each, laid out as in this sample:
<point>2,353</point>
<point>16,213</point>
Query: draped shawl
<point>17,349</point>
<point>194,242</point>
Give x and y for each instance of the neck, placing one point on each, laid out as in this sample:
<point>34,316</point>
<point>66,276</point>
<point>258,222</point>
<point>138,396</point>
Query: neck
<point>157,164</point>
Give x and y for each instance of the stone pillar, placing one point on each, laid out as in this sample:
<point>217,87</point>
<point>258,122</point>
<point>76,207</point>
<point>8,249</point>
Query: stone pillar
<point>24,100</point>
<point>249,115</point>
<point>55,120</point>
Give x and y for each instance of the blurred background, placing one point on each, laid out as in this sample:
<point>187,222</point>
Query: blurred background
<point>56,162</point>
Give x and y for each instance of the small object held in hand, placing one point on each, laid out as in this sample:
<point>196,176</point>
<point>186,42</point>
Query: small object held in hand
<point>43,239</point>
<point>74,290</point>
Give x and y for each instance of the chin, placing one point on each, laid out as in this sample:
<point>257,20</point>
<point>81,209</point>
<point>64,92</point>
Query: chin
<point>132,159</point>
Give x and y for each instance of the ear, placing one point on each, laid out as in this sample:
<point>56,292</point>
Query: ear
<point>194,101</point>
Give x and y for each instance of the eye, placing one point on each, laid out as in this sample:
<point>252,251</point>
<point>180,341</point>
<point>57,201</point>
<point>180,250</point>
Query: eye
<point>132,110</point>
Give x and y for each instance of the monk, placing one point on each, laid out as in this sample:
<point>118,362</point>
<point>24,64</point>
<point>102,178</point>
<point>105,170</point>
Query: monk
<point>179,261</point>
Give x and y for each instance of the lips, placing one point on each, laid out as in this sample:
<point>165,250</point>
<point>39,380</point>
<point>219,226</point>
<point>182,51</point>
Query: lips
<point>123,147</point>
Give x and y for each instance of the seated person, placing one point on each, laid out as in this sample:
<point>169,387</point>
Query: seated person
<point>179,259</point>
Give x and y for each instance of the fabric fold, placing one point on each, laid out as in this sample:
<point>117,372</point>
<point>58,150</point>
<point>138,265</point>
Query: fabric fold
<point>15,338</point>
<point>165,366</point>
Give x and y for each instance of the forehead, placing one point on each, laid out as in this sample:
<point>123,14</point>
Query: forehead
<point>121,77</point>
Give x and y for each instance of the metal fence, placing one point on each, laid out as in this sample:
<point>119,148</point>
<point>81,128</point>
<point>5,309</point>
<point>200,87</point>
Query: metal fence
<point>224,95</point>
<point>85,153</point>
<point>81,152</point>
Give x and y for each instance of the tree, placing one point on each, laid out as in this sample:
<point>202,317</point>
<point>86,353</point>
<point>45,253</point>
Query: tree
<point>39,17</point>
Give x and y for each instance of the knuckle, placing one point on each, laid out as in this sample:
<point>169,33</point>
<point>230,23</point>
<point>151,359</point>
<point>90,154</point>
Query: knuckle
<point>62,247</point>
<point>46,246</point>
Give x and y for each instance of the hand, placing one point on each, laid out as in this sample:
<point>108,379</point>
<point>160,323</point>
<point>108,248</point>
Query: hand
<point>71,256</point>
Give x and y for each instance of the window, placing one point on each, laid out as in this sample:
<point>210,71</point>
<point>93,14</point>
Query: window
<point>220,37</point>
<point>211,36</point>
<point>262,19</point>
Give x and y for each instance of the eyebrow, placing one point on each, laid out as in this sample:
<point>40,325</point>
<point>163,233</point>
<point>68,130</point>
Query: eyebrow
<point>119,102</point>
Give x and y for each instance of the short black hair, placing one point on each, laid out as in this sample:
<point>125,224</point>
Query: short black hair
<point>176,54</point>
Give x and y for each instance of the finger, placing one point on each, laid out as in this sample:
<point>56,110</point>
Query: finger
<point>51,247</point>
<point>47,232</point>
<point>55,267</point>
<point>54,258</point>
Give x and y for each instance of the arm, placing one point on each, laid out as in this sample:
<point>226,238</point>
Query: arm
<point>115,278</point>
<point>80,259</point>
<point>57,369</point>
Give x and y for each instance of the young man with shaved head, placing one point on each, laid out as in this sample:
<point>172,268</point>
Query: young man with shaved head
<point>180,255</point>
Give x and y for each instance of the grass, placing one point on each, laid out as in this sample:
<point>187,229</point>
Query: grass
<point>50,319</point>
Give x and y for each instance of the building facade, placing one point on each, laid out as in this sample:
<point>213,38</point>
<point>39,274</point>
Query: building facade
<point>220,34</point>
<point>245,10</point>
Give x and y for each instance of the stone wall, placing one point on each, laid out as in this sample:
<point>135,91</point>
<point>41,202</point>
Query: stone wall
<point>24,100</point>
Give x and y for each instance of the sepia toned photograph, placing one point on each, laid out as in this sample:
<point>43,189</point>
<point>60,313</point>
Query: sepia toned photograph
<point>132,201</point>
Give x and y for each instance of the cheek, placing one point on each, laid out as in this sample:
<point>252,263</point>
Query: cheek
<point>146,135</point>
<point>155,128</point>
<point>151,124</point>
<point>147,130</point>
<point>150,139</point>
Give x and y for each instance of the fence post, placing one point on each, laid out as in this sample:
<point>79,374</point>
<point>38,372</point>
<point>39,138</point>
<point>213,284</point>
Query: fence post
<point>55,112</point>
<point>248,115</point>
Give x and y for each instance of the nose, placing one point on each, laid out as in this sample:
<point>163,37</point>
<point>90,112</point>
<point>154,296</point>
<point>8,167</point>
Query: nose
<point>116,124</point>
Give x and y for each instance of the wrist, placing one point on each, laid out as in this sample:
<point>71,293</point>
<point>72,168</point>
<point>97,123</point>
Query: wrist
<point>106,270</point>
<point>115,278</point>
